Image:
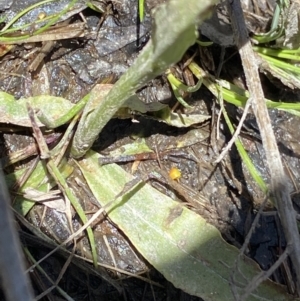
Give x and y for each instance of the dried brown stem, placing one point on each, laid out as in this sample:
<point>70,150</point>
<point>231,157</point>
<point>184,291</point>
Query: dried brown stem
<point>279,185</point>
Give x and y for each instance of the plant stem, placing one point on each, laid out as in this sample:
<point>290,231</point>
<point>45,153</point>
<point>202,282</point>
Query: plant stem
<point>173,33</point>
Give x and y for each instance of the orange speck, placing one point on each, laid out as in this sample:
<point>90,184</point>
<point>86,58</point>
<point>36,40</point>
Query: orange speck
<point>175,173</point>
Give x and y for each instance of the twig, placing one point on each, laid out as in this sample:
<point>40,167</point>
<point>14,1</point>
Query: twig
<point>236,134</point>
<point>279,184</point>
<point>243,250</point>
<point>127,188</point>
<point>60,180</point>
<point>264,275</point>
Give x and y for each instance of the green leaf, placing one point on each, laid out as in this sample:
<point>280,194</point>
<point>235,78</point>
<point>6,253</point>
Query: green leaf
<point>136,147</point>
<point>15,111</point>
<point>180,244</point>
<point>178,120</point>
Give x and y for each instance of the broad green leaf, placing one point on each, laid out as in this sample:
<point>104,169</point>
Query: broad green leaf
<point>15,112</point>
<point>180,244</point>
